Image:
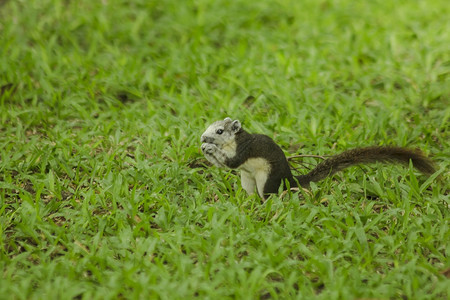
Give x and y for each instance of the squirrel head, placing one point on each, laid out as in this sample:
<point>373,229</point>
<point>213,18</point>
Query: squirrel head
<point>221,132</point>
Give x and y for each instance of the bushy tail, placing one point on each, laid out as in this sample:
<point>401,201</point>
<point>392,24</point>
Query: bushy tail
<point>365,156</point>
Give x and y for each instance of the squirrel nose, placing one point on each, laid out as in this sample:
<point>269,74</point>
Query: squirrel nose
<point>206,139</point>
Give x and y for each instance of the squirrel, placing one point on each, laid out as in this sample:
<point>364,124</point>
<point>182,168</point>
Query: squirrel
<point>264,166</point>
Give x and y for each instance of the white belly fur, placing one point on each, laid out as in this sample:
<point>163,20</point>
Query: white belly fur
<point>255,171</point>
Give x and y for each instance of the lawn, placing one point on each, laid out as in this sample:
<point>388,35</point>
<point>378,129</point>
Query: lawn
<point>104,193</point>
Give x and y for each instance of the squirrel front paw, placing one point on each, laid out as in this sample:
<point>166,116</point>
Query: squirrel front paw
<point>208,148</point>
<point>213,154</point>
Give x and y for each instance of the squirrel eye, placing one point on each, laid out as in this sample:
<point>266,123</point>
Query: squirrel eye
<point>219,131</point>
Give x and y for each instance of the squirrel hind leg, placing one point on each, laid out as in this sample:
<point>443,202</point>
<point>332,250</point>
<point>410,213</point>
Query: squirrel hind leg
<point>248,182</point>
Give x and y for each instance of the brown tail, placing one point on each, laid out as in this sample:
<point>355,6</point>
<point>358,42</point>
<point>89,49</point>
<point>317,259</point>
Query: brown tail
<point>364,156</point>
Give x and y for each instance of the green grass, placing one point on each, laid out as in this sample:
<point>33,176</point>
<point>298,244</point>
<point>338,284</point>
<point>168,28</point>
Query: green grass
<point>103,190</point>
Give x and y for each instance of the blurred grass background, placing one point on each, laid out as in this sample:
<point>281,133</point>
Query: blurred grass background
<point>102,190</point>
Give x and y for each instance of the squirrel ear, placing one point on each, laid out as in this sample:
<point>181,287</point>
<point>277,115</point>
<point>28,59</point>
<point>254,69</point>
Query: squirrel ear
<point>236,126</point>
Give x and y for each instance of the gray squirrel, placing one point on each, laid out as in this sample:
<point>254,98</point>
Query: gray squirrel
<point>264,166</point>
